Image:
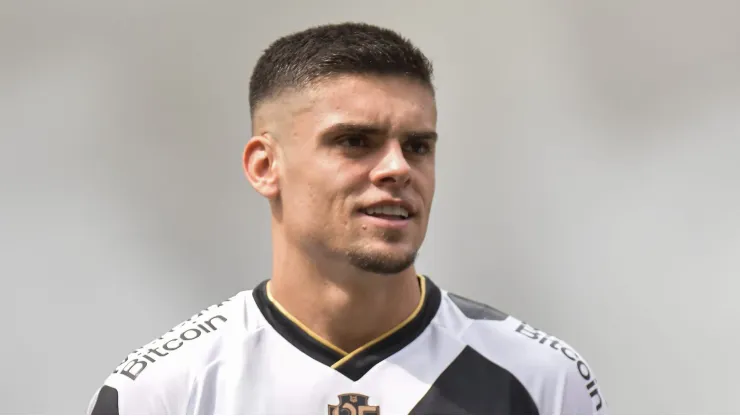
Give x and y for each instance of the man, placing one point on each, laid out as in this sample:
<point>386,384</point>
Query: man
<point>343,148</point>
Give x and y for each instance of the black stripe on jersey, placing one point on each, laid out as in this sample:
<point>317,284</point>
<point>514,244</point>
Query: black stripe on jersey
<point>358,365</point>
<point>476,310</point>
<point>473,385</point>
<point>107,402</point>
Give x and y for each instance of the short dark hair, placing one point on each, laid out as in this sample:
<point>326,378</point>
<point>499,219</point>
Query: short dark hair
<point>314,54</point>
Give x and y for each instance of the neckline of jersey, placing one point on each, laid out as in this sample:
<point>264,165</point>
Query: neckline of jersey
<point>356,363</point>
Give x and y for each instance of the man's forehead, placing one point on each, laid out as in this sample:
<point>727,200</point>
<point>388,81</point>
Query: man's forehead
<point>382,101</point>
<point>371,101</point>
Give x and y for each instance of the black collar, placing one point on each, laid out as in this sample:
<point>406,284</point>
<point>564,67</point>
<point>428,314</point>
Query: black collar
<point>355,364</point>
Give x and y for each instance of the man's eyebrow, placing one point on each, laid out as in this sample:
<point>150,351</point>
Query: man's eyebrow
<point>370,129</point>
<point>422,135</point>
<point>355,128</point>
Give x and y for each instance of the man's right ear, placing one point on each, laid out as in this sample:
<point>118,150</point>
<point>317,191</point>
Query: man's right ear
<point>260,166</point>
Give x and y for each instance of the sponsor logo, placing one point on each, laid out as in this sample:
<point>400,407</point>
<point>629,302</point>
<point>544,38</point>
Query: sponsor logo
<point>190,330</point>
<point>558,345</point>
<point>353,404</point>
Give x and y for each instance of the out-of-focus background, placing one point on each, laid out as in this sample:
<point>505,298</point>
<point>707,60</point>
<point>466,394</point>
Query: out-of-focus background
<point>588,180</point>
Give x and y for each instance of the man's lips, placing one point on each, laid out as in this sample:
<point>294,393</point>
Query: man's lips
<point>390,209</point>
<point>386,221</point>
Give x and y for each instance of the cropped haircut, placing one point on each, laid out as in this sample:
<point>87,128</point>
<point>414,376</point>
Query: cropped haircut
<point>300,59</point>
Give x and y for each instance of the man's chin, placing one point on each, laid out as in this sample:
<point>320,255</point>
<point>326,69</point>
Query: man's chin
<point>382,262</point>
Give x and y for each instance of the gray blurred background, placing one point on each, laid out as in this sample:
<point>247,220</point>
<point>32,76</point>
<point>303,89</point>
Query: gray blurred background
<point>588,180</point>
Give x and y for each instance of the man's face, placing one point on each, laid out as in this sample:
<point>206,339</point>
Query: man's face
<point>356,179</point>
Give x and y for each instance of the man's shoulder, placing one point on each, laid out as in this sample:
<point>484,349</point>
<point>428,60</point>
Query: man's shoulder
<point>169,363</point>
<point>197,336</point>
<point>492,331</point>
<point>542,362</point>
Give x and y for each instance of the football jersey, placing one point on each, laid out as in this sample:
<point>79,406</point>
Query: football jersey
<point>248,355</point>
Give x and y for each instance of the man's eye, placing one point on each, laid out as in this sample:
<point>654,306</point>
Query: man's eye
<point>419,147</point>
<point>354,141</point>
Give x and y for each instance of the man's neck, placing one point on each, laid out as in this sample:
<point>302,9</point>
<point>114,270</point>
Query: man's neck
<point>347,308</point>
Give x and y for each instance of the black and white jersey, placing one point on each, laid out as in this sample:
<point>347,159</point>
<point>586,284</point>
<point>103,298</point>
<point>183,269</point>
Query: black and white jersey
<point>247,355</point>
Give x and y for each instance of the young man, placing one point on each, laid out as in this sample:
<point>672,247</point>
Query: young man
<point>344,120</point>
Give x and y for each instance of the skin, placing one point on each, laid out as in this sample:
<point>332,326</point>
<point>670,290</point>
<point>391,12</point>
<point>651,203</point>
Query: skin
<point>346,276</point>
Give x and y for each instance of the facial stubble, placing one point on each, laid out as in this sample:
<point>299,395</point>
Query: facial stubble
<point>366,259</point>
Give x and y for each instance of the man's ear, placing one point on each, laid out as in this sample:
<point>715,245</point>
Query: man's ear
<point>260,166</point>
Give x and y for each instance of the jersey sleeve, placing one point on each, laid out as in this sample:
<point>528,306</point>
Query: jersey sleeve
<point>158,378</point>
<point>582,394</point>
<point>140,387</point>
<point>115,398</point>
<point>558,377</point>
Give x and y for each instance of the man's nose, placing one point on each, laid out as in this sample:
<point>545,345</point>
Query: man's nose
<point>393,167</point>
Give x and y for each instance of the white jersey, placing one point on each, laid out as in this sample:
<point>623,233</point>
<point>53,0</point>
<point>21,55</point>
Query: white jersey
<point>247,355</point>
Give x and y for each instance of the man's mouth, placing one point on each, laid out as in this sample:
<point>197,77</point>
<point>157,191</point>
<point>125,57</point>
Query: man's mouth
<point>387,211</point>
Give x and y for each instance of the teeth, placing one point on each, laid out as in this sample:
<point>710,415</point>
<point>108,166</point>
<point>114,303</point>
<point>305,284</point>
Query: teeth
<point>396,210</point>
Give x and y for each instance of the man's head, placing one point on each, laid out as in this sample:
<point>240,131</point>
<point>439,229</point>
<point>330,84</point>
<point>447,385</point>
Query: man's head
<point>344,121</point>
